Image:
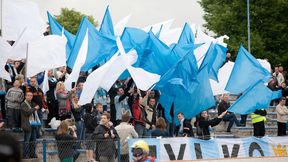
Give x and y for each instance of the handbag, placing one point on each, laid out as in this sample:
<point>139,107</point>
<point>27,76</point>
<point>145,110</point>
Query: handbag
<point>34,119</point>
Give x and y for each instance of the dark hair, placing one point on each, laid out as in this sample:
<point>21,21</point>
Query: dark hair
<point>180,113</point>
<point>88,107</point>
<point>282,98</point>
<point>126,117</point>
<point>107,115</point>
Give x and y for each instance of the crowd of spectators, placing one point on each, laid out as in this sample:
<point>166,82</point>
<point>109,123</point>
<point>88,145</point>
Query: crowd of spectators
<point>124,111</point>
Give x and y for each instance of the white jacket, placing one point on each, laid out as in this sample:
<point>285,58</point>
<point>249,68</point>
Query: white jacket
<point>125,131</point>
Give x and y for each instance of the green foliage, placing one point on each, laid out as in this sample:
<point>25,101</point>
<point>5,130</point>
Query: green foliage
<point>71,19</point>
<point>269,26</point>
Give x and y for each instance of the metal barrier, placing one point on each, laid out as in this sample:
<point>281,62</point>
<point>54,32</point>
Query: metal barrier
<point>70,150</point>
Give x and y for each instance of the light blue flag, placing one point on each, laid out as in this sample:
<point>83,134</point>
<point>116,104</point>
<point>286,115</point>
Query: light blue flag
<point>246,72</point>
<point>220,52</point>
<point>56,29</point>
<point>190,104</point>
<point>257,96</point>
<point>134,38</point>
<point>100,47</point>
<point>214,59</point>
<point>201,99</point>
<point>183,73</point>
<point>106,26</point>
<point>187,36</point>
<point>157,57</point>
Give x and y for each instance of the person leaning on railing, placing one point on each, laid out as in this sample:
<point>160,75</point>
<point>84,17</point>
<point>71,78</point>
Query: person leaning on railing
<point>66,142</point>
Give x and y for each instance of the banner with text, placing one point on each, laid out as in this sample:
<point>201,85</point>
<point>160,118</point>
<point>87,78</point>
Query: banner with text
<point>192,148</point>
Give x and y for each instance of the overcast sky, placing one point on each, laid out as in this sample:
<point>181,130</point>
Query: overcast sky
<point>144,12</point>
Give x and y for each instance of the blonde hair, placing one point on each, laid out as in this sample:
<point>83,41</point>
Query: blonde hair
<point>63,127</point>
<point>59,86</point>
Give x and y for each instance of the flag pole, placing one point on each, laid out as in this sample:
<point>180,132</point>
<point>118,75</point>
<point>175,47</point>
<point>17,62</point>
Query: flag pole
<point>248,25</point>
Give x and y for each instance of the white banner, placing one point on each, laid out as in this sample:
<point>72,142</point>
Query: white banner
<point>167,149</point>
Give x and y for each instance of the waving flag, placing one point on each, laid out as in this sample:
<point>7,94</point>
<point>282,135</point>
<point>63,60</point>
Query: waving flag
<point>20,14</point>
<point>100,47</point>
<point>257,96</point>
<point>80,61</point>
<point>46,53</point>
<point>105,76</point>
<point>120,26</point>
<point>19,48</point>
<point>107,24</point>
<point>143,79</point>
<point>56,29</point>
<point>187,36</point>
<point>5,49</point>
<point>246,72</point>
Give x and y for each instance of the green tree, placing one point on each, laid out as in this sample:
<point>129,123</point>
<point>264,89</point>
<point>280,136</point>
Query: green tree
<point>71,19</point>
<point>269,26</point>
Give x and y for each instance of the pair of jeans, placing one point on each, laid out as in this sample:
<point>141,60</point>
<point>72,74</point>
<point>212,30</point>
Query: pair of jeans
<point>29,145</point>
<point>141,130</point>
<point>80,132</point>
<point>13,117</point>
<point>232,119</point>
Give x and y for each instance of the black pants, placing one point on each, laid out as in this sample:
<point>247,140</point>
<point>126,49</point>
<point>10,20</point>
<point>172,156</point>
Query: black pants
<point>3,111</point>
<point>259,129</point>
<point>281,129</point>
<point>124,158</point>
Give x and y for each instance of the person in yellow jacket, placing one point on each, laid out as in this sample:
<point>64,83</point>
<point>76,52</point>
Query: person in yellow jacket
<point>258,121</point>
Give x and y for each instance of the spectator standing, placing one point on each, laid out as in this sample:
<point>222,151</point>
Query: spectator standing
<point>282,117</point>
<point>64,101</point>
<point>51,98</point>
<point>125,131</point>
<point>121,104</point>
<point>90,121</point>
<point>38,98</point>
<point>14,99</point>
<point>258,121</point>
<point>28,113</point>
<point>66,140</point>
<point>105,135</point>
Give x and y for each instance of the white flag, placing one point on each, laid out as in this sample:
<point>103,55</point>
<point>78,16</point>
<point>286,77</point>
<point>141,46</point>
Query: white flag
<point>5,48</point>
<point>45,84</point>
<point>19,48</point>
<point>18,14</point>
<point>103,77</point>
<point>46,53</point>
<point>119,27</point>
<point>80,61</point>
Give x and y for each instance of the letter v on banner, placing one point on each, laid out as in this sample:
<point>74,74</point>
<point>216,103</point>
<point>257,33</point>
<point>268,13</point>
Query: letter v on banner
<point>171,154</point>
